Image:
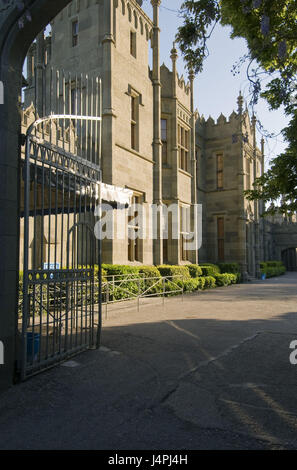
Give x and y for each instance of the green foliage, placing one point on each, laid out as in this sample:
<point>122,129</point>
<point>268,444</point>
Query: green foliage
<point>229,268</point>
<point>168,270</point>
<point>272,268</point>
<point>233,268</point>
<point>127,282</point>
<point>210,282</point>
<point>194,270</point>
<point>103,273</point>
<point>210,269</point>
<point>225,279</point>
<point>119,269</point>
<point>270,31</point>
<point>201,283</point>
<point>151,285</point>
<point>188,285</point>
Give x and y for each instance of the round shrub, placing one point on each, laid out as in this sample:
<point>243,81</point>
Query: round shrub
<point>210,282</point>
<point>194,270</point>
<point>201,281</point>
<point>168,270</point>
<point>210,270</point>
<point>225,279</point>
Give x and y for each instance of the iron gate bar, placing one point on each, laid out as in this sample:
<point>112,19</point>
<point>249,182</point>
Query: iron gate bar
<point>57,299</point>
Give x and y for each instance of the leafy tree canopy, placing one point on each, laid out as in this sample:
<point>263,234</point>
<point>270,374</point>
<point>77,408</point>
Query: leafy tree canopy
<point>270,30</point>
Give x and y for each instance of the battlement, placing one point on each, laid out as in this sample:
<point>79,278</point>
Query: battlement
<point>221,120</point>
<point>136,16</point>
<point>185,86</point>
<point>129,8</point>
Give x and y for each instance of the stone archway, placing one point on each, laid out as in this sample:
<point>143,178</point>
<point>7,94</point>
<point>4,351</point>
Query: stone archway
<point>14,43</point>
<point>289,258</point>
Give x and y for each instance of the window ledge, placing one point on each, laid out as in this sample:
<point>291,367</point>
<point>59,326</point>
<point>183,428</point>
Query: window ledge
<point>186,173</point>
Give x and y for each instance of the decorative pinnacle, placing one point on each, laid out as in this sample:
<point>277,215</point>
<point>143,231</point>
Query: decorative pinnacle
<point>156,3</point>
<point>174,54</point>
<point>240,103</point>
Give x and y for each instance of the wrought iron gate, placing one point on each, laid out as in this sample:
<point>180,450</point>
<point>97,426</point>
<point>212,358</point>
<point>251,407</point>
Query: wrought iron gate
<point>60,312</point>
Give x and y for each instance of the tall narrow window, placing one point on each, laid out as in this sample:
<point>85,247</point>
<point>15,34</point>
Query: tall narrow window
<point>164,141</point>
<point>248,174</point>
<point>220,171</point>
<point>74,33</point>
<point>183,146</point>
<point>184,232</point>
<point>133,231</point>
<point>221,238</point>
<point>133,43</point>
<point>134,122</point>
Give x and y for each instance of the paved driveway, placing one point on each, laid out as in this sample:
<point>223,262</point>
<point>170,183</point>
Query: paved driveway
<point>209,372</point>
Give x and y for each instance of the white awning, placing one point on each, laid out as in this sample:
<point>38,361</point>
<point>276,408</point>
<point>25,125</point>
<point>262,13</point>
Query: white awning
<point>110,193</point>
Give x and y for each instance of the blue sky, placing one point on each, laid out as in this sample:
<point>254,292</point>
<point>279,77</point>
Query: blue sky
<point>216,90</point>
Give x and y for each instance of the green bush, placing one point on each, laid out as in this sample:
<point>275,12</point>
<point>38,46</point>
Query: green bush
<point>272,268</point>
<point>210,269</point>
<point>275,264</point>
<point>233,268</point>
<point>122,288</point>
<point>225,279</point>
<point>221,280</point>
<point>168,270</point>
<point>210,282</point>
<point>194,270</point>
<point>151,285</point>
<point>120,269</point>
<point>201,281</point>
<point>188,285</point>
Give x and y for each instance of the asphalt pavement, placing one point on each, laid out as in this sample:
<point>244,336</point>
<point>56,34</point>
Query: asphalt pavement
<point>211,371</point>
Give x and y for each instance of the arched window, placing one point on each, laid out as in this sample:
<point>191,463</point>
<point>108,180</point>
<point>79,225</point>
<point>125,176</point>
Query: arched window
<point>129,13</point>
<point>135,20</point>
<point>141,25</point>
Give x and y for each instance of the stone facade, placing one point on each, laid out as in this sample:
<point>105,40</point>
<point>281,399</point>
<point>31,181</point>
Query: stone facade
<point>114,40</point>
<point>154,142</point>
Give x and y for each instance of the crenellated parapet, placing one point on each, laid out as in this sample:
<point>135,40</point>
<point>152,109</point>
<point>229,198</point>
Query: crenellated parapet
<point>131,9</point>
<point>136,16</point>
<point>183,85</point>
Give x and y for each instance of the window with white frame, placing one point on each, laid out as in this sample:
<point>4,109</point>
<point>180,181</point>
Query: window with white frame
<point>134,242</point>
<point>185,230</point>
<point>183,147</point>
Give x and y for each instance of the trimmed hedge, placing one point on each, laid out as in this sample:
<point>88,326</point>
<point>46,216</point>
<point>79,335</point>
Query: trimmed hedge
<point>210,282</point>
<point>152,286</point>
<point>168,270</point>
<point>195,270</point>
<point>233,268</point>
<point>272,268</point>
<point>191,278</point>
<point>210,270</point>
<point>225,279</point>
<point>119,269</point>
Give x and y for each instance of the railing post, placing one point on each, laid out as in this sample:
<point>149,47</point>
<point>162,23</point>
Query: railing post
<point>107,299</point>
<point>182,291</point>
<point>138,298</point>
<point>163,291</point>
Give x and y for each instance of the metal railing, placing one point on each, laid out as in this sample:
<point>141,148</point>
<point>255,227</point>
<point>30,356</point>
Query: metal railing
<point>124,288</point>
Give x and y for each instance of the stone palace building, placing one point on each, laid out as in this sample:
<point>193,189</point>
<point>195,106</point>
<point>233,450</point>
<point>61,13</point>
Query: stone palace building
<point>154,142</point>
